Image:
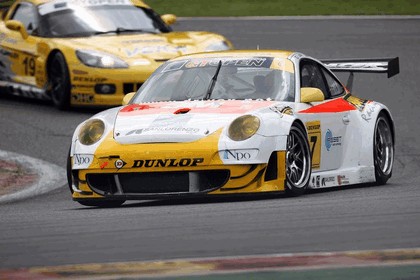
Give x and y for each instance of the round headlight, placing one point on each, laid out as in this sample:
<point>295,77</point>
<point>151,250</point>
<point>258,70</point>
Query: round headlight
<point>91,132</point>
<point>243,127</point>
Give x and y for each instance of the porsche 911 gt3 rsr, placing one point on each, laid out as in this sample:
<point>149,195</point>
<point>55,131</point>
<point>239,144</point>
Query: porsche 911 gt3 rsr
<point>235,122</point>
<point>88,52</point>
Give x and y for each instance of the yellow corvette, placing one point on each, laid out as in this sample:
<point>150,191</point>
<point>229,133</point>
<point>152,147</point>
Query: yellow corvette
<point>88,52</point>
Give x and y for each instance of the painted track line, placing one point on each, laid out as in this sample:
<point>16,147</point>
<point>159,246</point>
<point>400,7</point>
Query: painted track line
<point>50,176</point>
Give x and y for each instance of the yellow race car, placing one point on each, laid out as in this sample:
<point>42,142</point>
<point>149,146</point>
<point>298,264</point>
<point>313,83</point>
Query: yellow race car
<point>88,52</point>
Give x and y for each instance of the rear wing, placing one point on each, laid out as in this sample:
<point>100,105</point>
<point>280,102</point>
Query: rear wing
<point>391,66</point>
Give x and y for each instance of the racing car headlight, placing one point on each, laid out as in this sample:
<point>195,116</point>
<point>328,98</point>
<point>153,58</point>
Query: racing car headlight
<point>100,59</point>
<point>217,46</point>
<point>91,132</point>
<point>243,127</point>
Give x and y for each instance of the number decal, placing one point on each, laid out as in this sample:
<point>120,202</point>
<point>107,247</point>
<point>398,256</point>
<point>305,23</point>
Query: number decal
<point>29,65</point>
<point>314,137</point>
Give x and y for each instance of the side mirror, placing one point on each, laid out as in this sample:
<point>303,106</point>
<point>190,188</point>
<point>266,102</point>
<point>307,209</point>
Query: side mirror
<point>127,98</point>
<point>17,26</point>
<point>169,19</point>
<point>310,94</point>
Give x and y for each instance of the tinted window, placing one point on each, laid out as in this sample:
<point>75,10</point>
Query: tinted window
<point>334,86</point>
<point>311,76</point>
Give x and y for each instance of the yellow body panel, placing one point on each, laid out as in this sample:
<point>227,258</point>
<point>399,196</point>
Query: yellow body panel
<point>243,178</point>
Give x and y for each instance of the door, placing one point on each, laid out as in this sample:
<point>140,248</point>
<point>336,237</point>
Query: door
<point>326,122</point>
<point>20,52</point>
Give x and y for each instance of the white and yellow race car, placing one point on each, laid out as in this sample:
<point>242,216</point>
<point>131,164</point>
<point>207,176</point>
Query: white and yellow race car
<point>88,52</point>
<point>235,122</point>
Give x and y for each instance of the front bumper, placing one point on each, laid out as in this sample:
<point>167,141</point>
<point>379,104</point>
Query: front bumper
<point>178,181</point>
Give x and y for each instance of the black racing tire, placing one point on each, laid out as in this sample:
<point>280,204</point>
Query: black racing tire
<point>298,161</point>
<point>69,175</point>
<point>383,149</point>
<point>59,80</point>
<point>102,203</point>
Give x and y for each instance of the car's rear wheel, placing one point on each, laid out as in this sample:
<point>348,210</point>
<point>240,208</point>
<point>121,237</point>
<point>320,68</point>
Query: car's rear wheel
<point>383,149</point>
<point>59,79</point>
<point>102,203</point>
<point>298,161</point>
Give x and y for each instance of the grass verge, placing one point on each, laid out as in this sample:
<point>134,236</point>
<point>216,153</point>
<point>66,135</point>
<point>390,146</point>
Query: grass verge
<point>203,8</point>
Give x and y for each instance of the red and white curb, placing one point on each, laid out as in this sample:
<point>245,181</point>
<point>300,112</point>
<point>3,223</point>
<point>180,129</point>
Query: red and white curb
<point>222,265</point>
<point>49,176</point>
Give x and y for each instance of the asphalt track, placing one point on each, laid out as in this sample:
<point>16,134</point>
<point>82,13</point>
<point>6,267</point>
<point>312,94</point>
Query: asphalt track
<point>51,230</point>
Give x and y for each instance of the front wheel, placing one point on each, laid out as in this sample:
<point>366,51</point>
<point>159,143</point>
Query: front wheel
<point>59,80</point>
<point>298,161</point>
<point>383,150</point>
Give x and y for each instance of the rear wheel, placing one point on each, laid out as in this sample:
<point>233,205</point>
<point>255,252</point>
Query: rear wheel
<point>298,161</point>
<point>383,150</point>
<point>59,80</point>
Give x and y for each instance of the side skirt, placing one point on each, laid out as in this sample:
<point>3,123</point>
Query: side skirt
<point>342,177</point>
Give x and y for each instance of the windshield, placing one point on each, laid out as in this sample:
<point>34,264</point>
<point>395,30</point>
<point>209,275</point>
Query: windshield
<point>248,78</point>
<point>66,19</point>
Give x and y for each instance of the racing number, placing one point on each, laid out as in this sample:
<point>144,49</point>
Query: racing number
<point>314,136</point>
<point>29,65</point>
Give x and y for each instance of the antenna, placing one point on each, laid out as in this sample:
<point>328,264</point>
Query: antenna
<point>258,47</point>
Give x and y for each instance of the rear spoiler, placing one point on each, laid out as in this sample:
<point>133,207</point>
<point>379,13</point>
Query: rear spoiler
<point>391,66</point>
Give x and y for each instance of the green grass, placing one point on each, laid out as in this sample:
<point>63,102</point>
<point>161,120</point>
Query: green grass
<point>191,8</point>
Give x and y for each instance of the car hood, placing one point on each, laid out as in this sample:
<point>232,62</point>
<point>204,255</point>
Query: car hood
<point>185,121</point>
<point>159,47</point>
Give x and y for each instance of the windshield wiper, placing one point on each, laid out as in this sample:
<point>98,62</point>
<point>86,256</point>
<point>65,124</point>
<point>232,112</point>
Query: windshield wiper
<point>123,30</point>
<point>213,81</point>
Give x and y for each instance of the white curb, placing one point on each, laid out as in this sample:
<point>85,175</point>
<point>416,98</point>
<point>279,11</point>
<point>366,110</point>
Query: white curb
<point>51,176</point>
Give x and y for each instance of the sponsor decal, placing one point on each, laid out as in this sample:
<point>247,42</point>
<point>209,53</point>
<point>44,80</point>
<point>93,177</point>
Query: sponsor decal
<point>168,162</point>
<point>119,163</point>
<point>316,181</point>
<point>104,164</point>
<point>189,130</point>
<point>58,5</point>
<point>82,161</point>
<point>152,50</point>
<point>368,111</point>
<point>88,79</point>
<point>238,155</point>
<point>263,62</point>
<point>327,181</point>
<point>314,137</point>
<point>356,101</point>
<point>82,98</point>
<point>331,141</point>
<point>342,180</point>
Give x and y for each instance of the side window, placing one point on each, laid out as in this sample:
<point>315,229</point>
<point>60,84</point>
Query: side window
<point>334,86</point>
<point>311,76</point>
<point>26,14</point>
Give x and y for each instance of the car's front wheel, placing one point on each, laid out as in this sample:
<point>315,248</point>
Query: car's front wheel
<point>59,79</point>
<point>298,161</point>
<point>383,149</point>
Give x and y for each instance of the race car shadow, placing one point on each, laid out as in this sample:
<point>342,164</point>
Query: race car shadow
<point>236,198</point>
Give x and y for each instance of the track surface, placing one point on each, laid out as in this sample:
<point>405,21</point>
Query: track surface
<point>53,230</point>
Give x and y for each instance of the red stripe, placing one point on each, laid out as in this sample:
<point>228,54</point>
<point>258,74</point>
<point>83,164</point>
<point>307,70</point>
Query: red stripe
<point>333,106</point>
